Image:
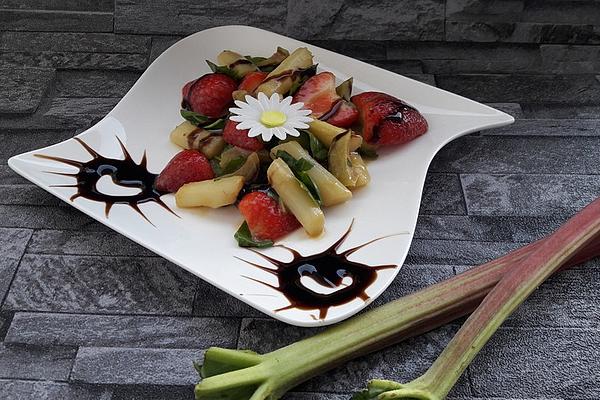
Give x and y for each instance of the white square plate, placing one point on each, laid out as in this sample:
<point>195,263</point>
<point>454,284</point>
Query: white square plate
<point>201,240</point>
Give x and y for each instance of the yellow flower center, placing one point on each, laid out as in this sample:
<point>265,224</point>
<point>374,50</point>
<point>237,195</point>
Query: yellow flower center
<point>272,119</point>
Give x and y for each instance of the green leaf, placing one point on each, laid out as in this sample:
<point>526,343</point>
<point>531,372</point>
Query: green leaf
<point>195,118</point>
<point>344,90</point>
<point>245,239</point>
<point>255,60</point>
<point>222,69</point>
<point>233,165</point>
<point>317,148</point>
<point>299,168</point>
<point>216,125</point>
<point>216,167</point>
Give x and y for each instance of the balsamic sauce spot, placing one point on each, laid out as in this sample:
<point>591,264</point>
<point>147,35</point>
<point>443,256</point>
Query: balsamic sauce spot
<point>327,268</point>
<point>125,172</point>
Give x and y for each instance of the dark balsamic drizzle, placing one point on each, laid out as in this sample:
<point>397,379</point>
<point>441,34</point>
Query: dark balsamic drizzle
<point>124,172</point>
<point>327,268</point>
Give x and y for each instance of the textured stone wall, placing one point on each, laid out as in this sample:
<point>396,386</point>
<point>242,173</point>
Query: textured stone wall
<point>88,315</point>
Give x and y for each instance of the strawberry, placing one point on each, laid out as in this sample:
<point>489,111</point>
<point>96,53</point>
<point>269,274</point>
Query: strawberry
<point>318,94</point>
<point>265,217</point>
<point>387,120</point>
<point>240,138</point>
<point>209,95</point>
<point>252,80</point>
<point>187,166</point>
<point>345,116</point>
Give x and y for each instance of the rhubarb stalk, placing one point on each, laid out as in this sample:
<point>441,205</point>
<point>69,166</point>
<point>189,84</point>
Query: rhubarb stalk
<point>513,288</point>
<point>245,375</point>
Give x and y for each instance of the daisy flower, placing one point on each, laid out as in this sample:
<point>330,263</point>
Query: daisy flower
<point>268,117</point>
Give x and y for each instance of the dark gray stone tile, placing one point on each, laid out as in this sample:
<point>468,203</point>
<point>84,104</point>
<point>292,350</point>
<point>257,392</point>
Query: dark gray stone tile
<point>26,195</point>
<point>62,5</point>
<point>185,17</point>
<point>94,83</point>
<point>27,362</point>
<point>130,366</point>
<point>21,89</point>
<point>521,32</point>
<point>74,60</point>
<point>47,329</point>
<point>84,242</point>
<point>73,42</point>
<point>513,109</point>
<point>519,154</point>
<point>16,141</point>
<point>42,217</point>
<point>456,252</point>
<point>570,58</point>
<point>52,20</point>
<point>101,285</point>
<point>576,89</point>
<point>13,243</point>
<point>381,20</point>
<point>22,389</point>
<point>160,44</point>
<point>151,392</point>
<point>549,127</point>
<point>442,194</point>
<point>401,362</point>
<point>453,58</point>
<point>361,49</point>
<point>10,177</point>
<point>535,195</point>
<point>65,111</point>
<point>401,66</point>
<point>486,228</point>
<point>539,362</point>
<point>567,111</point>
<point>473,8</point>
<point>425,78</point>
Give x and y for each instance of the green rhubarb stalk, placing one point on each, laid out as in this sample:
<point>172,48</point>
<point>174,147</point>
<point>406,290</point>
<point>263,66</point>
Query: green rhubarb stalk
<point>245,375</point>
<point>513,288</point>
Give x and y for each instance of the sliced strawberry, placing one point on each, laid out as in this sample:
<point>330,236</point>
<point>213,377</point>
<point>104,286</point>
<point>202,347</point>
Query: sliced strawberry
<point>209,95</point>
<point>187,166</point>
<point>318,94</point>
<point>265,218</point>
<point>345,116</point>
<point>240,138</point>
<point>252,80</point>
<point>387,120</point>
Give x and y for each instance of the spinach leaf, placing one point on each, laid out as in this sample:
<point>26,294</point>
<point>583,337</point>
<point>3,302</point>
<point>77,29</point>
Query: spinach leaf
<point>216,125</point>
<point>233,165</point>
<point>222,69</point>
<point>245,239</point>
<point>195,118</point>
<point>299,168</point>
<point>317,149</point>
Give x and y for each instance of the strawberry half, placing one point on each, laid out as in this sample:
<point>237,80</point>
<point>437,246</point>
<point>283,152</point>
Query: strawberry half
<point>387,120</point>
<point>187,166</point>
<point>345,116</point>
<point>318,94</point>
<point>265,218</point>
<point>209,95</point>
<point>252,80</point>
<point>240,138</point>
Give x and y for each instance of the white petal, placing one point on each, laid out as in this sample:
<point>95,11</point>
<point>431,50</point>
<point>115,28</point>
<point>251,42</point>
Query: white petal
<point>274,101</point>
<point>246,124</point>
<point>297,125</point>
<point>255,104</point>
<point>255,131</point>
<point>263,100</point>
<point>293,132</point>
<point>237,118</point>
<point>286,102</point>
<point>303,112</point>
<point>267,135</point>
<point>241,104</point>
<point>279,133</point>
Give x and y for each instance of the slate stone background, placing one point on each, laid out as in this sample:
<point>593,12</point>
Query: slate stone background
<point>86,314</point>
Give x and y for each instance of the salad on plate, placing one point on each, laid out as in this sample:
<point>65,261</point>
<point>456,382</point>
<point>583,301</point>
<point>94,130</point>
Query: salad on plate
<point>279,139</point>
